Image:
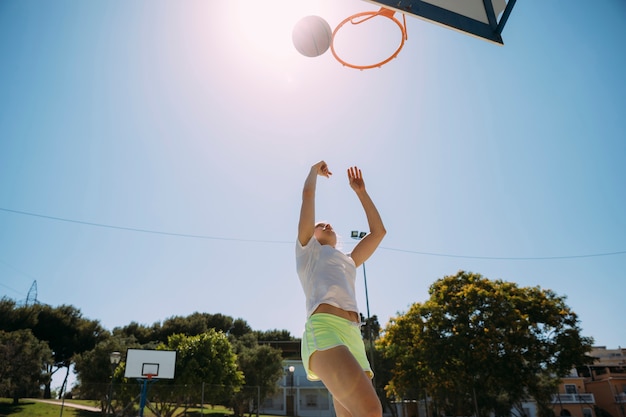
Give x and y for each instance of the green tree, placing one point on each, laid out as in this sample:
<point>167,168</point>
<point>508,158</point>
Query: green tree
<point>240,328</point>
<point>219,322</point>
<point>63,328</point>
<point>273,336</point>
<point>370,331</point>
<point>141,334</point>
<point>478,346</point>
<point>191,325</point>
<point>22,364</point>
<point>199,323</point>
<point>67,334</point>
<point>8,317</point>
<point>262,367</point>
<point>208,359</point>
<point>98,378</point>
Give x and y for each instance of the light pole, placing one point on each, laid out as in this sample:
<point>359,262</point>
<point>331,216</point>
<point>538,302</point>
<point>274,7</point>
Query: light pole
<point>355,234</point>
<point>114,358</point>
<point>293,397</point>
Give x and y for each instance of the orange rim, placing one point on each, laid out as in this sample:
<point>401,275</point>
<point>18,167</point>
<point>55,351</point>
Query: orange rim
<point>366,16</point>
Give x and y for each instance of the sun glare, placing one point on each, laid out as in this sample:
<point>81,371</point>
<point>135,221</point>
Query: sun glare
<point>264,28</point>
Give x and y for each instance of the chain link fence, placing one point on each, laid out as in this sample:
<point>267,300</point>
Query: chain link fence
<point>164,399</point>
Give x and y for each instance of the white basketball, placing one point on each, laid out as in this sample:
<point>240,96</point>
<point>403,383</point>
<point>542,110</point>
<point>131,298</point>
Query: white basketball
<point>312,36</point>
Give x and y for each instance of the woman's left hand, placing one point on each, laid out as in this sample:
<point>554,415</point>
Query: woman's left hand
<point>356,179</point>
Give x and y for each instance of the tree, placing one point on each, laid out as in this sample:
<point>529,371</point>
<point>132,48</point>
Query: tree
<point>273,336</point>
<point>97,376</point>
<point>191,325</point>
<point>63,328</point>
<point>199,323</point>
<point>262,367</point>
<point>140,333</point>
<point>370,331</point>
<point>8,317</point>
<point>22,364</point>
<point>67,334</point>
<point>478,346</point>
<point>240,328</point>
<point>206,358</point>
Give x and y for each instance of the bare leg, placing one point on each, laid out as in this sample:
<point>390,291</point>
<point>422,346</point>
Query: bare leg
<point>340,410</point>
<point>347,382</point>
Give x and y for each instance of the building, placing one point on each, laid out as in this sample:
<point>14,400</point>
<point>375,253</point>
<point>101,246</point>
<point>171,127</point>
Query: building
<point>297,396</point>
<point>572,398</point>
<point>606,380</point>
<point>597,390</point>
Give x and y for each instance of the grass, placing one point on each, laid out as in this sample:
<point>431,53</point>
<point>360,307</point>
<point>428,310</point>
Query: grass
<point>30,408</point>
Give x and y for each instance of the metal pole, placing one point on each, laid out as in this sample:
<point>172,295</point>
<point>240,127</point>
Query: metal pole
<point>293,397</point>
<point>475,400</point>
<point>355,234</point>
<point>202,400</point>
<point>144,394</point>
<point>114,358</point>
<point>110,405</point>
<point>369,324</point>
<point>367,299</point>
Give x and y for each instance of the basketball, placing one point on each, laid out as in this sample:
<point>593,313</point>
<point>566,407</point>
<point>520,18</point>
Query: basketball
<point>312,36</point>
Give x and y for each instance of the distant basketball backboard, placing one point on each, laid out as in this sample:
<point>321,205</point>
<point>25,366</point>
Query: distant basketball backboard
<point>150,364</point>
<point>484,19</point>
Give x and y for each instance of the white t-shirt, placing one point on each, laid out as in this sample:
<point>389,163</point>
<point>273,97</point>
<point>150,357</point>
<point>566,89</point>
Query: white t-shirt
<point>327,276</point>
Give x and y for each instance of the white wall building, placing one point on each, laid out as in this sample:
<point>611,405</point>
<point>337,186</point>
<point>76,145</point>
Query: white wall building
<point>298,396</point>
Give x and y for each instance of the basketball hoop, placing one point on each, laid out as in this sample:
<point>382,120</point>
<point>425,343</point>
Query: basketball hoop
<point>389,14</point>
<point>149,376</point>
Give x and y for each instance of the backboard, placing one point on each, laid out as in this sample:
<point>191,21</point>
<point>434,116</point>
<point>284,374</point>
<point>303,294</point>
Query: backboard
<point>484,19</point>
<point>150,364</point>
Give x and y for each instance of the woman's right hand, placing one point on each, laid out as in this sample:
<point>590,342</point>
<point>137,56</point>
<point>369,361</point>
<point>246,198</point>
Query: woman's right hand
<point>321,168</point>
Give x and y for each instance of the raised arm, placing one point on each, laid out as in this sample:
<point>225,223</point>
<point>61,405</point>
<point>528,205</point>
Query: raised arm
<point>306,225</point>
<point>366,246</point>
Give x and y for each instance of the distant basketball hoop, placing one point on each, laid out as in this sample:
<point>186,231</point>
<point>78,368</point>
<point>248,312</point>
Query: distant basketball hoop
<point>149,366</point>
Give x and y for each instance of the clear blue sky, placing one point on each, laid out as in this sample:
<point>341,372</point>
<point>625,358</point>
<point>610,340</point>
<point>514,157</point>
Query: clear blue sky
<point>186,130</point>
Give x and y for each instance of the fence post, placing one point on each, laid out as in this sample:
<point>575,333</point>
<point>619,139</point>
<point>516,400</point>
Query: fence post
<point>202,400</point>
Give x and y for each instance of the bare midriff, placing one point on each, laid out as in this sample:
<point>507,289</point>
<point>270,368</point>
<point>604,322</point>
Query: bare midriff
<point>328,309</point>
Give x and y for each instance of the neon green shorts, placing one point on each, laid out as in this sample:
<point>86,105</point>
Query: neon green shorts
<point>324,331</point>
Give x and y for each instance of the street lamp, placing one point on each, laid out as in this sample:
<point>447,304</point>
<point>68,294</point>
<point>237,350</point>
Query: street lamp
<point>293,397</point>
<point>114,358</point>
<point>355,234</point>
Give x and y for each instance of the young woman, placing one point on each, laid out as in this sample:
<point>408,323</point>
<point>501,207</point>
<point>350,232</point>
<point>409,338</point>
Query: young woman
<point>332,346</point>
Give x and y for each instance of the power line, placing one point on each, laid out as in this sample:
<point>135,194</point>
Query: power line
<point>507,258</point>
<point>193,236</point>
<point>12,289</point>
<point>134,229</point>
